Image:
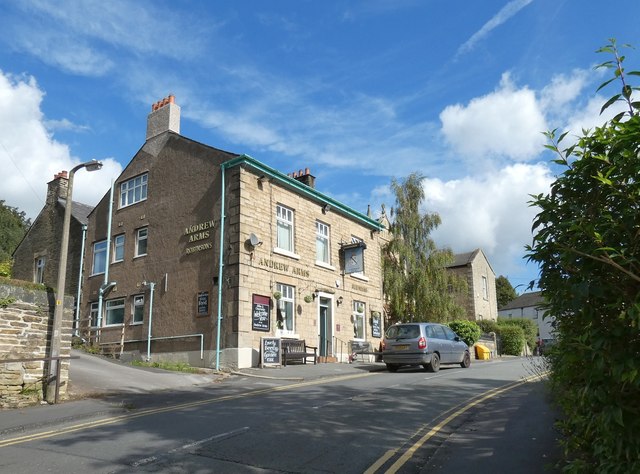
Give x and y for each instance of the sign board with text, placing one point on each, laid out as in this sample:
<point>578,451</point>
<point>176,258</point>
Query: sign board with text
<point>270,351</point>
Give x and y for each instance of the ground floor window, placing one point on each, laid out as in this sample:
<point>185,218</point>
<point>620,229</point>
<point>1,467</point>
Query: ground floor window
<point>138,309</point>
<point>358,320</point>
<point>93,314</point>
<point>115,312</point>
<point>285,315</point>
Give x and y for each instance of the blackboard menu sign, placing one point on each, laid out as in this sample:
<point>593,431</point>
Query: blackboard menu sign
<point>203,303</point>
<point>270,351</point>
<point>261,313</point>
<point>376,324</point>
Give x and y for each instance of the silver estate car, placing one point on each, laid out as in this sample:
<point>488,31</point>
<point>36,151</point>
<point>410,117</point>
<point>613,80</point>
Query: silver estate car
<point>425,344</point>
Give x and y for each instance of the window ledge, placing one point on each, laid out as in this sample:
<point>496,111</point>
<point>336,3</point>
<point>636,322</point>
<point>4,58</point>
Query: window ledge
<point>140,256</point>
<point>138,323</point>
<point>286,253</point>
<point>358,276</point>
<point>325,265</point>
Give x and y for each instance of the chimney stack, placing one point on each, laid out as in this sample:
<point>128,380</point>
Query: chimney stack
<point>164,117</point>
<point>305,177</point>
<point>57,188</point>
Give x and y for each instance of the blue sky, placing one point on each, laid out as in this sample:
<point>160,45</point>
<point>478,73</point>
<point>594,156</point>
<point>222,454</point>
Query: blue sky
<point>358,91</point>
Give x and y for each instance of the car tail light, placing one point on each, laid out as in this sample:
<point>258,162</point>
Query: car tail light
<point>422,343</point>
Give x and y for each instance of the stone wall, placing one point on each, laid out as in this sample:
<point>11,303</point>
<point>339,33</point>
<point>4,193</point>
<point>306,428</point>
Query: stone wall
<point>26,316</point>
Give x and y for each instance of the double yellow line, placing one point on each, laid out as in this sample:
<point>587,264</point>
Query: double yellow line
<point>457,411</point>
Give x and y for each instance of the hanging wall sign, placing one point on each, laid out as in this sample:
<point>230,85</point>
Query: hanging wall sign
<point>261,313</point>
<point>354,257</point>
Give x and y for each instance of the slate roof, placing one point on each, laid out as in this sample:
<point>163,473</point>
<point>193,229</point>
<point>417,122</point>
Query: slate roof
<point>79,211</point>
<point>462,259</point>
<point>525,300</point>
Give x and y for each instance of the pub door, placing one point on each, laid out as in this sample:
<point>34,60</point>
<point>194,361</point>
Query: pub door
<point>325,323</point>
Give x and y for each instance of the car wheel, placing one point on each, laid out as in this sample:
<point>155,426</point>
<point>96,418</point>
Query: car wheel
<point>466,361</point>
<point>392,367</point>
<point>434,365</point>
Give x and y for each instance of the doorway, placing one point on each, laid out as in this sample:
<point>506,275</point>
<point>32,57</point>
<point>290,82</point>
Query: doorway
<point>325,327</point>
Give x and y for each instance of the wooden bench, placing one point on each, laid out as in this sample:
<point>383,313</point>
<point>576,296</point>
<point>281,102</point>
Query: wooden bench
<point>297,349</point>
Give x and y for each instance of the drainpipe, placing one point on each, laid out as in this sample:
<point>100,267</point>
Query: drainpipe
<point>106,285</point>
<point>220,265</point>
<point>76,323</point>
<point>152,287</point>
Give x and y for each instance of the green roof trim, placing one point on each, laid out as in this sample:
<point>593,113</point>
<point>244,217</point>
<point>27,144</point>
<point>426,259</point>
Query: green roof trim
<point>301,188</point>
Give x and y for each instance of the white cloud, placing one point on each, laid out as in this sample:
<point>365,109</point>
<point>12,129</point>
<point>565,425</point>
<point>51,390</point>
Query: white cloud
<point>507,122</point>
<point>490,212</point>
<point>30,156</point>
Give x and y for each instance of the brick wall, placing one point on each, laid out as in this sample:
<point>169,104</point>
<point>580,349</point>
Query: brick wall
<point>25,328</point>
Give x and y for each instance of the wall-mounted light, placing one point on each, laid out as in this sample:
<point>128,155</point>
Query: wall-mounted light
<point>339,300</point>
<point>326,208</point>
<point>254,240</point>
<point>261,179</point>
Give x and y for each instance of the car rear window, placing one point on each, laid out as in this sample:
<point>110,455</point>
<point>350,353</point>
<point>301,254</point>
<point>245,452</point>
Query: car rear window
<point>408,331</point>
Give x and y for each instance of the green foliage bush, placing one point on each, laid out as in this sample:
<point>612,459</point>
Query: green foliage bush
<point>512,338</point>
<point>468,331</point>
<point>528,326</point>
<point>487,326</point>
<point>586,244</point>
<point>5,268</point>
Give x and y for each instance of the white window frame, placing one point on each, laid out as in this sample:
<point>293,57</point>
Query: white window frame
<point>134,190</point>
<point>118,245</point>
<point>38,273</point>
<point>359,321</point>
<point>286,310</point>
<point>140,238</point>
<point>116,304</point>
<point>137,309</point>
<point>323,247</point>
<point>103,260</point>
<point>285,222</point>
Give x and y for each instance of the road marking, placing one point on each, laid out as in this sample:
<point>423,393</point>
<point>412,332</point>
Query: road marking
<point>408,454</point>
<point>155,411</point>
<point>375,466</point>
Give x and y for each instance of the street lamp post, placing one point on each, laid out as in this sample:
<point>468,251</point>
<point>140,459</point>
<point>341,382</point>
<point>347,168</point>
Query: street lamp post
<point>56,336</point>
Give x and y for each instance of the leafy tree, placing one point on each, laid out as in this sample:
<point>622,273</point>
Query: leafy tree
<point>505,293</point>
<point>13,226</point>
<point>416,284</point>
<point>588,248</point>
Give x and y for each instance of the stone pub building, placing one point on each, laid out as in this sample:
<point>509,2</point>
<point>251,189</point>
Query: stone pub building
<point>196,254</point>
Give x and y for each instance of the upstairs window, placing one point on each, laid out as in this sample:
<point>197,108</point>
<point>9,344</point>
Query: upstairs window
<point>99,257</point>
<point>485,288</point>
<point>284,218</point>
<point>118,248</point>
<point>141,242</point>
<point>322,243</point>
<point>133,191</point>
<point>38,274</point>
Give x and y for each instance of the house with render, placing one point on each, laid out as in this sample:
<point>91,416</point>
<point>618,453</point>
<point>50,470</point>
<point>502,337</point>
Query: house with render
<point>480,299</point>
<point>529,305</point>
<point>197,254</point>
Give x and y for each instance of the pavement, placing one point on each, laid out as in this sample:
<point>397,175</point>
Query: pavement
<point>485,440</point>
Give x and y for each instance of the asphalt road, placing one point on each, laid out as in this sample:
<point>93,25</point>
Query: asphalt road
<point>330,418</point>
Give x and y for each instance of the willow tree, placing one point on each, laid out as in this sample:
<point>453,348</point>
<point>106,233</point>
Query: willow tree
<point>416,282</point>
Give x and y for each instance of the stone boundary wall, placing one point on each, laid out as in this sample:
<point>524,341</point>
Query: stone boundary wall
<point>25,332</point>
